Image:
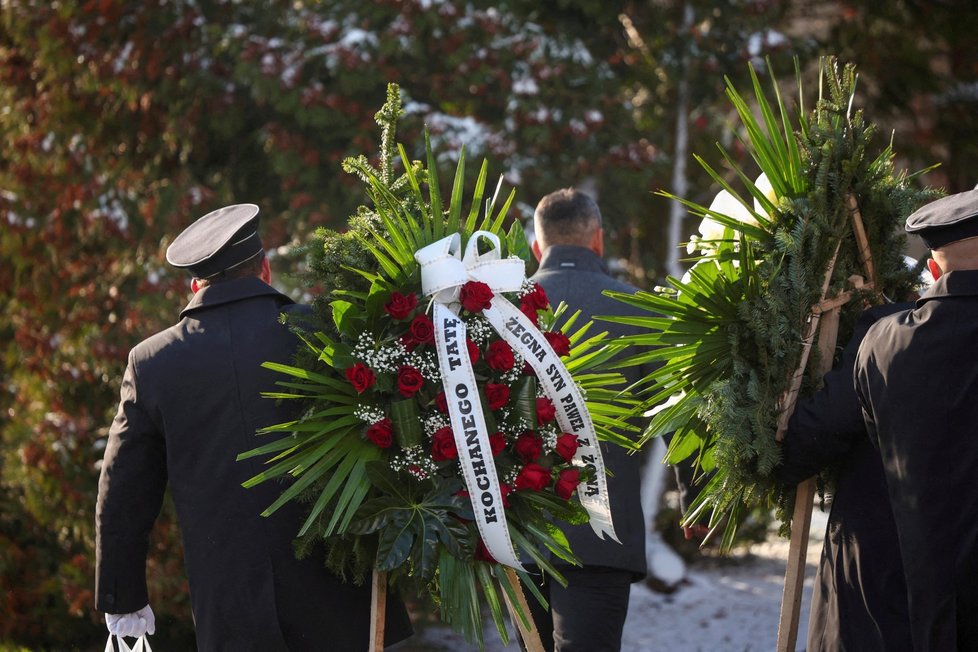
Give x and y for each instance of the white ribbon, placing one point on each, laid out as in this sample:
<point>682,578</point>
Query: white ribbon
<point>443,272</point>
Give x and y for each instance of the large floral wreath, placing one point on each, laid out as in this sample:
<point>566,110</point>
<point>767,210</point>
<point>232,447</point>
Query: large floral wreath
<point>734,334</point>
<point>448,420</point>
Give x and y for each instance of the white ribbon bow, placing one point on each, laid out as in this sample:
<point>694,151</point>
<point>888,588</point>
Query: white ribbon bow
<point>443,273</point>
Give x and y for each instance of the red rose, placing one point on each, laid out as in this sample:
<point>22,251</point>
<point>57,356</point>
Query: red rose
<point>475,296</point>
<point>441,403</point>
<point>360,377</point>
<point>400,305</point>
<point>529,446</point>
<point>497,395</point>
<point>422,330</point>
<point>531,313</point>
<point>533,477</point>
<point>567,481</point>
<point>500,356</point>
<point>535,298</point>
<point>545,410</point>
<point>482,553</point>
<point>409,381</point>
<point>497,443</point>
<point>381,433</point>
<point>566,446</point>
<point>473,349</point>
<point>559,342</point>
<point>443,445</point>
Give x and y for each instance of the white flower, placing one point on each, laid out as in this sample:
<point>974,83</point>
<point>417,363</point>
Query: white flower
<point>726,204</point>
<point>764,185</point>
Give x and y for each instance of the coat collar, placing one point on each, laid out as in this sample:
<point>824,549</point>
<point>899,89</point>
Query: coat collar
<point>963,282</point>
<point>572,257</point>
<point>229,292</point>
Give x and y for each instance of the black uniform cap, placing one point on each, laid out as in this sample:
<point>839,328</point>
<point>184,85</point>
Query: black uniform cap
<point>218,241</point>
<point>946,220</point>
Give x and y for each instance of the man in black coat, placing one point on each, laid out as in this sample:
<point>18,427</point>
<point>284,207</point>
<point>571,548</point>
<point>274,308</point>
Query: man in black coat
<point>589,615</point>
<point>859,600</point>
<point>190,403</point>
<point>916,377</point>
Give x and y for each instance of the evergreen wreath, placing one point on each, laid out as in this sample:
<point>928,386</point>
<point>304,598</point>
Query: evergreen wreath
<point>730,334</point>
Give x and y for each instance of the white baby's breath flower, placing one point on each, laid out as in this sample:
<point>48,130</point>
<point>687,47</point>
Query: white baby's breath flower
<point>435,422</point>
<point>369,413</point>
<point>383,359</point>
<point>425,361</point>
<point>416,461</point>
<point>478,330</point>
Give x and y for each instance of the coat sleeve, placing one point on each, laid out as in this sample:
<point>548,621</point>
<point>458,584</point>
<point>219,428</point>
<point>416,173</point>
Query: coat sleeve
<point>825,425</point>
<point>130,494</point>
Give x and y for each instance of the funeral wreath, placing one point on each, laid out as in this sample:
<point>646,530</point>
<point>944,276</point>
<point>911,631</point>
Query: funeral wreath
<point>448,421</point>
<point>735,331</point>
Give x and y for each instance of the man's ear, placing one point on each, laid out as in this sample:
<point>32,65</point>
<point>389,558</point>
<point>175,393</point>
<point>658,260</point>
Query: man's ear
<point>597,242</point>
<point>536,250</point>
<point>194,287</point>
<point>935,269</point>
<point>266,271</point>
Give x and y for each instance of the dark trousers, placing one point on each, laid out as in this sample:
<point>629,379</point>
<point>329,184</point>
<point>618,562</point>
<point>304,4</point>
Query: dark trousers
<point>586,616</point>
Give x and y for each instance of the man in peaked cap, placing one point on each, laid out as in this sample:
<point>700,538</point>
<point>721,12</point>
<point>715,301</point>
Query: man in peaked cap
<point>190,403</point>
<point>916,375</point>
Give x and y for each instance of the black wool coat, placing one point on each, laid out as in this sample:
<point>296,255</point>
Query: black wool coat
<point>917,379</point>
<point>578,276</point>
<point>190,403</point>
<point>859,600</point>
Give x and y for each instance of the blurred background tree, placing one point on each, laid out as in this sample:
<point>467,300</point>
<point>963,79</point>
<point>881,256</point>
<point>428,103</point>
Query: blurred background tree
<point>120,123</point>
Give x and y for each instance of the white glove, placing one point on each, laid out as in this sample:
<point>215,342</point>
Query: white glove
<point>135,624</point>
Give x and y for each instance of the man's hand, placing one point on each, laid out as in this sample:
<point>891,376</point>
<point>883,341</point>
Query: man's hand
<point>135,624</point>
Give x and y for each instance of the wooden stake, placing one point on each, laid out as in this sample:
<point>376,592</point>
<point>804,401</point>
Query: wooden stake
<point>789,400</point>
<point>378,610</point>
<point>531,637</point>
<point>862,242</point>
<point>805,494</point>
<point>801,520</point>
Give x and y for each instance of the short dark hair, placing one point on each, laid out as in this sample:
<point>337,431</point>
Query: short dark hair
<point>250,267</point>
<point>567,216</point>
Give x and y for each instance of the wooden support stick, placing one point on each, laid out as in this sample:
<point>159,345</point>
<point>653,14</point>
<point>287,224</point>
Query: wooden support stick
<point>378,610</point>
<point>801,520</point>
<point>862,242</point>
<point>789,400</point>
<point>528,631</point>
<point>805,494</point>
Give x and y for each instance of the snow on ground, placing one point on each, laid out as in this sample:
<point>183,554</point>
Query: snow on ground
<point>727,604</point>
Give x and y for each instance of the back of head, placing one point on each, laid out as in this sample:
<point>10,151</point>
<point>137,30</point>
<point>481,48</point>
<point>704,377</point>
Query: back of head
<point>949,228</point>
<point>568,217</point>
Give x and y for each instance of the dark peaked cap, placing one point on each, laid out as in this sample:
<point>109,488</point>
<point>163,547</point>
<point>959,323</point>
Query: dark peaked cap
<point>220,240</point>
<point>946,220</point>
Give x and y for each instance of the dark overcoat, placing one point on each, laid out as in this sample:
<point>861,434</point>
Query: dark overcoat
<point>859,599</point>
<point>190,403</point>
<point>917,380</point>
<point>578,276</point>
